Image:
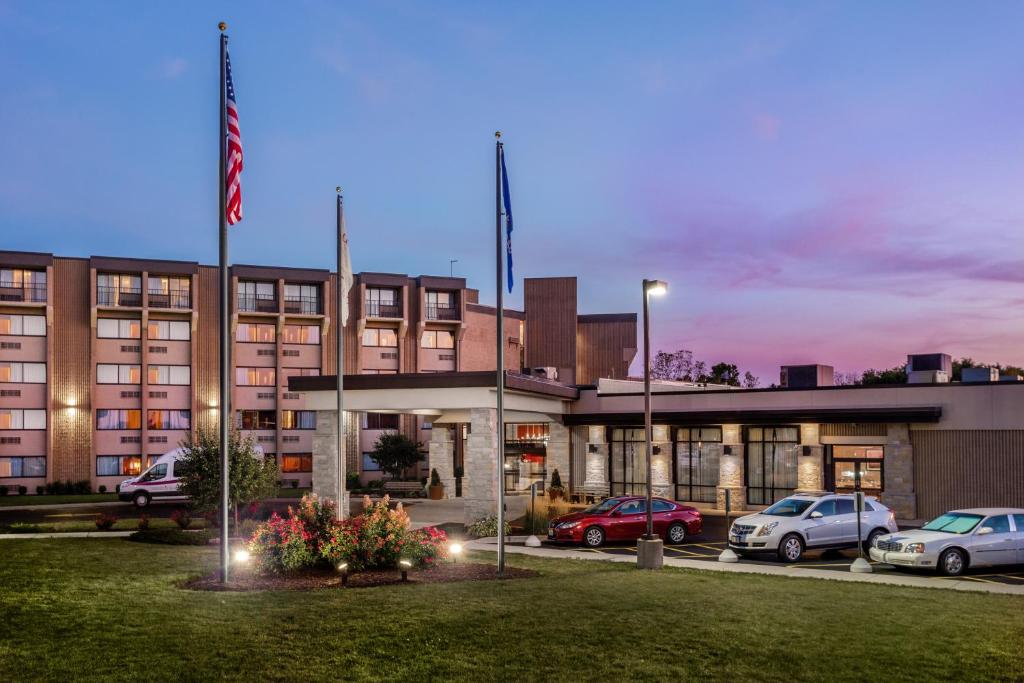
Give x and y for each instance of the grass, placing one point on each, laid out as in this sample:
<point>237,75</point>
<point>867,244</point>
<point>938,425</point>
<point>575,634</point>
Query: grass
<point>112,609</point>
<point>126,524</point>
<point>289,492</point>
<point>15,500</point>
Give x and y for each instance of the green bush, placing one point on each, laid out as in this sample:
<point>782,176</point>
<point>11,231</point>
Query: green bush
<point>171,537</point>
<point>435,478</point>
<point>295,483</point>
<point>352,480</point>
<point>22,490</point>
<point>103,488</point>
<point>487,526</point>
<point>105,522</point>
<point>182,518</point>
<point>40,490</point>
<point>4,490</point>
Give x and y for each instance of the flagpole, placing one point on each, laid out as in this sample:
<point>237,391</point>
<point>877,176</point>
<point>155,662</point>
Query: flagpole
<point>225,313</point>
<point>500,334</point>
<point>339,326</point>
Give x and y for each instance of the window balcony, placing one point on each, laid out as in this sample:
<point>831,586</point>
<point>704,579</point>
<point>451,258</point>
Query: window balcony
<point>442,312</point>
<point>170,300</point>
<point>257,303</point>
<point>307,305</point>
<point>15,291</point>
<point>379,309</point>
<point>118,296</point>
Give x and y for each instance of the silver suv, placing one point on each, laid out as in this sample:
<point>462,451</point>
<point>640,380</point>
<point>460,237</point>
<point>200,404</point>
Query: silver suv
<point>810,522</point>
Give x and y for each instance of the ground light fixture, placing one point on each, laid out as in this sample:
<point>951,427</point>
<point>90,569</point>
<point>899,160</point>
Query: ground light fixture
<point>405,566</point>
<point>343,570</point>
<point>241,556</point>
<point>455,549</point>
<point>650,551</point>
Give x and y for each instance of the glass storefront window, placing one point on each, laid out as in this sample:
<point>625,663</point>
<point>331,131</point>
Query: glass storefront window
<point>771,463</point>
<point>857,468</point>
<point>628,473</point>
<point>698,450</point>
<point>526,455</point>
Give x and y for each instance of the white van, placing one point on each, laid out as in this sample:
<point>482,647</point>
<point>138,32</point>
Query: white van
<point>158,481</point>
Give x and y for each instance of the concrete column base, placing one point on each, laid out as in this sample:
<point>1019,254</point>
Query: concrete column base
<point>650,553</point>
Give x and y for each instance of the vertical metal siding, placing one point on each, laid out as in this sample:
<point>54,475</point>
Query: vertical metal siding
<point>967,468</point>
<point>852,430</point>
<point>578,456</point>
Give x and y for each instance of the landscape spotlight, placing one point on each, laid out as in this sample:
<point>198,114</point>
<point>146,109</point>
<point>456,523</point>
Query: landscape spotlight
<point>241,556</point>
<point>455,549</point>
<point>343,568</point>
<point>405,566</point>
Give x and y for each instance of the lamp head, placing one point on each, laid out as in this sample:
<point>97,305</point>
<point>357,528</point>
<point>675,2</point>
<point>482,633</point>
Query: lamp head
<point>656,287</point>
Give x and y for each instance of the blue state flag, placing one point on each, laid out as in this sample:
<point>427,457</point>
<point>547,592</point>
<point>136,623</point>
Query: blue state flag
<point>507,200</point>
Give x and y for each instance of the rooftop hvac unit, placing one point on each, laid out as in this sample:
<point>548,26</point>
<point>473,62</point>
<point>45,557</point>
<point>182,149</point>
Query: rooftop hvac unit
<point>546,372</point>
<point>979,375</point>
<point>927,377</point>
<point>806,376</point>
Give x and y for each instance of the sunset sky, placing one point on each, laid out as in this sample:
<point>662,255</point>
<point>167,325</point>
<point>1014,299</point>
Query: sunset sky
<point>819,182</point>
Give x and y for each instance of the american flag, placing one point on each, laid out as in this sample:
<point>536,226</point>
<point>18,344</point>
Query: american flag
<point>233,172</point>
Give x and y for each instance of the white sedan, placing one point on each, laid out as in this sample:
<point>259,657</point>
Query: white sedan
<point>954,541</point>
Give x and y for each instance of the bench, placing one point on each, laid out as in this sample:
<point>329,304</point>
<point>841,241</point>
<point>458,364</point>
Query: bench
<point>403,487</point>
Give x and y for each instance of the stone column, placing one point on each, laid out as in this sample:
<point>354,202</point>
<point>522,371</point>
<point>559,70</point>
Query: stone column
<point>325,457</point>
<point>661,462</point>
<point>810,460</point>
<point>899,472</point>
<point>480,480</point>
<point>596,475</point>
<point>442,457</point>
<point>730,470</point>
<point>558,453</point>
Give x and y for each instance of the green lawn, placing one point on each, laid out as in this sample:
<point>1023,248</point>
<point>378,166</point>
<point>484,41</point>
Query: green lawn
<point>125,524</point>
<point>109,609</point>
<point>12,500</point>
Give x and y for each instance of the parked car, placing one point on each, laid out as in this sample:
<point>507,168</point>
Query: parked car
<point>810,522</point>
<point>956,540</point>
<point>624,518</point>
<point>158,481</point>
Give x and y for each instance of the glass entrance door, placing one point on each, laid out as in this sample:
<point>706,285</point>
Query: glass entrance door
<point>858,468</point>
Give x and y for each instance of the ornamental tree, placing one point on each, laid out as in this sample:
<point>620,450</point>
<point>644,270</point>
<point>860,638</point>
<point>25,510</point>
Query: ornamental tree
<point>395,452</point>
<point>251,476</point>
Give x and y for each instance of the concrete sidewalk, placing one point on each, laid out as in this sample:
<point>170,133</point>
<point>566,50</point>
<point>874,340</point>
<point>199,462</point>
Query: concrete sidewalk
<point>490,545</point>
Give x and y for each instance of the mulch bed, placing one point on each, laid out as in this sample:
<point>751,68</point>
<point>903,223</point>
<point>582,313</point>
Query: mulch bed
<point>248,580</point>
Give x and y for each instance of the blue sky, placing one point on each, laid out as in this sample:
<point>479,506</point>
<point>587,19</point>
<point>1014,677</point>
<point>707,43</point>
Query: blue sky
<point>831,182</point>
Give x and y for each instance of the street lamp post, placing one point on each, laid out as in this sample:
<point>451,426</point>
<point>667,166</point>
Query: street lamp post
<point>650,552</point>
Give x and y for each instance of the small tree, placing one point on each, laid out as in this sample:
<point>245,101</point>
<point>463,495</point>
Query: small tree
<point>395,452</point>
<point>251,478</point>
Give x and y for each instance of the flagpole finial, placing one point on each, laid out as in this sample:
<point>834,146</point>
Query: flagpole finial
<point>497,134</point>
<point>222,26</point>
<point>338,189</point>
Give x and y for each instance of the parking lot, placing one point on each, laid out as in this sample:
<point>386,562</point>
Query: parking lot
<point>829,560</point>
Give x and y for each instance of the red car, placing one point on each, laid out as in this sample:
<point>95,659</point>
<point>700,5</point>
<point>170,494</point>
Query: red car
<point>624,518</point>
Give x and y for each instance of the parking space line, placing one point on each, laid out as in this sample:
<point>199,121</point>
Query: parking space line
<point>979,579</point>
<point>709,547</point>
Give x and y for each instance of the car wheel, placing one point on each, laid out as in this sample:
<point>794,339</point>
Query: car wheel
<point>593,537</point>
<point>870,542</point>
<point>141,499</point>
<point>676,533</point>
<point>791,548</point>
<point>952,562</point>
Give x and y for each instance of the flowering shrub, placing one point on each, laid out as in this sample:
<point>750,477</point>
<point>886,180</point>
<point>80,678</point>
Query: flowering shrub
<point>311,535</point>
<point>143,522</point>
<point>104,521</point>
<point>181,517</point>
<point>487,526</point>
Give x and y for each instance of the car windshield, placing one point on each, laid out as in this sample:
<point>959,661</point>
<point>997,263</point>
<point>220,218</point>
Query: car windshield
<point>603,506</point>
<point>789,507</point>
<point>953,523</point>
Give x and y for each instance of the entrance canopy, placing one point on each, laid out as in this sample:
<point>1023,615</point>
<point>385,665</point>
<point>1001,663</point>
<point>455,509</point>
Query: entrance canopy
<point>445,397</point>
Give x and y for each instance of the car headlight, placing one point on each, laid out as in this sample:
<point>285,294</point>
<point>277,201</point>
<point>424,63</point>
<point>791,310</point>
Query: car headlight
<point>767,529</point>
<point>568,525</point>
<point>914,548</point>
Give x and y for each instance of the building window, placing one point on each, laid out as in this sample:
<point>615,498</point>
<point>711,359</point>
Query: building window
<point>526,451</point>
<point>381,420</point>
<point>441,306</point>
<point>22,466</point>
<point>119,328</point>
<point>297,372</point>
<point>118,465</point>
<point>19,418</point>
<point>380,336</point>
<point>166,291</point>
<point>118,290</point>
<point>771,463</point>
<point>627,460</point>
<point>301,334</point>
<point>369,465</point>
<point>179,375</point>
<point>856,468</point>
<point>169,419</point>
<point>108,373</point>
<point>438,339</point>
<point>118,419</point>
<point>17,284</point>
<point>254,377</point>
<point>382,303</point>
<point>256,419</point>
<point>24,373</point>
<point>298,419</point>
<point>374,371</point>
<point>302,299</point>
<point>23,325</point>
<point>697,452</point>
<point>176,330</point>
<point>296,463</point>
<point>256,333</point>
<point>257,297</point>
